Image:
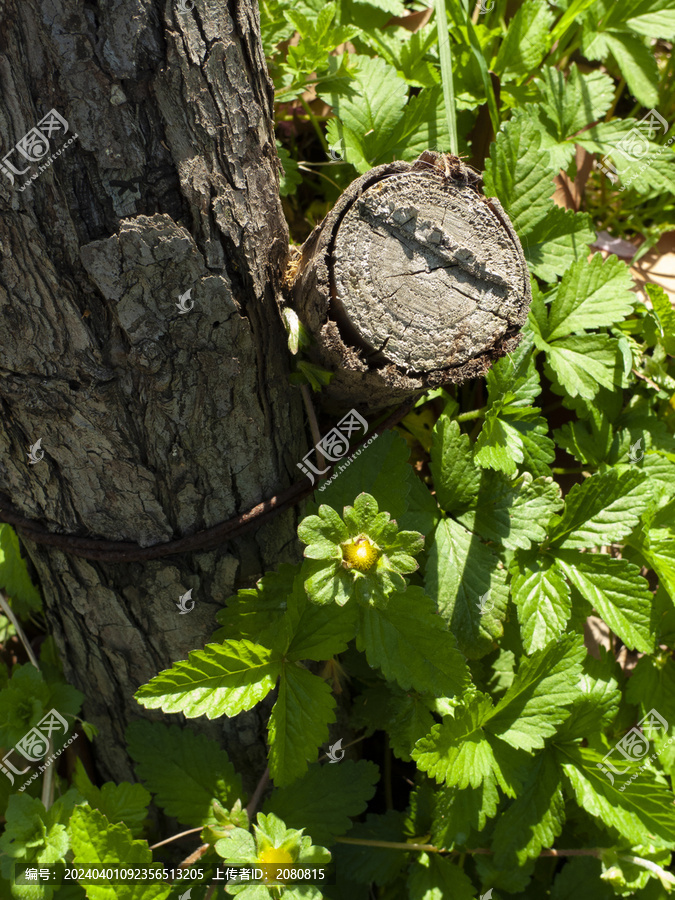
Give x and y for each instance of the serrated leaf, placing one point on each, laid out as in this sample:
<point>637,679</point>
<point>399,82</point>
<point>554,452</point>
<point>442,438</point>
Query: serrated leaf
<point>374,105</point>
<point>456,477</point>
<point>14,578</point>
<point>458,811</point>
<point>538,700</point>
<point>513,513</point>
<point>652,686</point>
<point>663,309</point>
<point>325,798</point>
<point>598,704</point>
<point>517,174</point>
<point>581,364</point>
<point>526,41</point>
<point>95,840</point>
<point>220,680</point>
<point>460,753</point>
<point>374,470</point>
<point>411,644</point>
<point>590,295</point>
<point>644,812</point>
<point>433,877</point>
<point>184,770</point>
<point>124,802</point>
<point>36,836</point>
<point>617,590</point>
<point>603,508</point>
<point>569,103</point>
<point>637,65</point>
<point>298,723</point>
<point>542,598</point>
<point>318,632</point>
<point>461,570</point>
<point>535,818</point>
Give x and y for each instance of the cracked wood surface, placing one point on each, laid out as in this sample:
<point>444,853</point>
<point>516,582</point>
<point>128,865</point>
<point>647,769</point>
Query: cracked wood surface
<point>413,280</point>
<point>154,424</point>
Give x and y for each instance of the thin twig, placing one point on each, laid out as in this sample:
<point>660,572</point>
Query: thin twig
<point>193,857</point>
<point>257,794</point>
<point>175,837</point>
<point>9,612</point>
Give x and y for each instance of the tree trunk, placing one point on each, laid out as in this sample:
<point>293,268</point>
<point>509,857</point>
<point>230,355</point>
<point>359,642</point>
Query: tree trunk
<point>140,339</point>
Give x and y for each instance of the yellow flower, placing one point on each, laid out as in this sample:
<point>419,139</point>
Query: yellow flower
<point>360,553</point>
<point>275,856</point>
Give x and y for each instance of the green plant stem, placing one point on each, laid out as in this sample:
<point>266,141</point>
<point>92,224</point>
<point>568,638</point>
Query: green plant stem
<point>315,124</point>
<point>472,414</point>
<point>446,73</point>
<point>572,471</point>
<point>430,848</point>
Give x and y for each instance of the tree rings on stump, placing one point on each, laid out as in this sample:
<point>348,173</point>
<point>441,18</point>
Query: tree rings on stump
<point>413,280</point>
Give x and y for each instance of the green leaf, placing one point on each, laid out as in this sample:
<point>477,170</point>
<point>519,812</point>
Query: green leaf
<point>97,841</point>
<point>256,613</point>
<point>372,108</point>
<point>461,754</point>
<point>581,364</point>
<point>14,578</point>
<point>298,723</point>
<point>513,513</point>
<point>569,103</point>
<point>433,877</point>
<point>652,686</point>
<point>461,572</point>
<point>325,798</point>
<point>318,632</point>
<point>637,65</point>
<point>35,836</point>
<point>361,862</point>
<point>28,697</point>
<point>598,704</point>
<point>517,174</point>
<point>526,42</point>
<point>456,477</point>
<point>404,716</point>
<point>602,509</point>
<point>590,295</point>
<point>542,598</point>
<point>374,470</point>
<point>537,701</point>
<point>643,812</point>
<point>188,774</point>
<point>617,591</point>
<point>126,803</point>
<point>221,679</point>
<point>458,811</point>
<point>410,643</point>
<point>289,177</point>
<point>535,818</point>
<point>663,309</point>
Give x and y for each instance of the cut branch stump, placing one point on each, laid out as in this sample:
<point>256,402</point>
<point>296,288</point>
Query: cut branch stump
<point>413,280</point>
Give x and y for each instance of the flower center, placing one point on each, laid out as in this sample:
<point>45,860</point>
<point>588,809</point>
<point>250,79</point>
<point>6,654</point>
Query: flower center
<point>275,855</point>
<point>361,554</point>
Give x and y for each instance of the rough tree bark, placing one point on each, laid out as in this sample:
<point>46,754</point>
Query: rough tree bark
<point>155,423</point>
